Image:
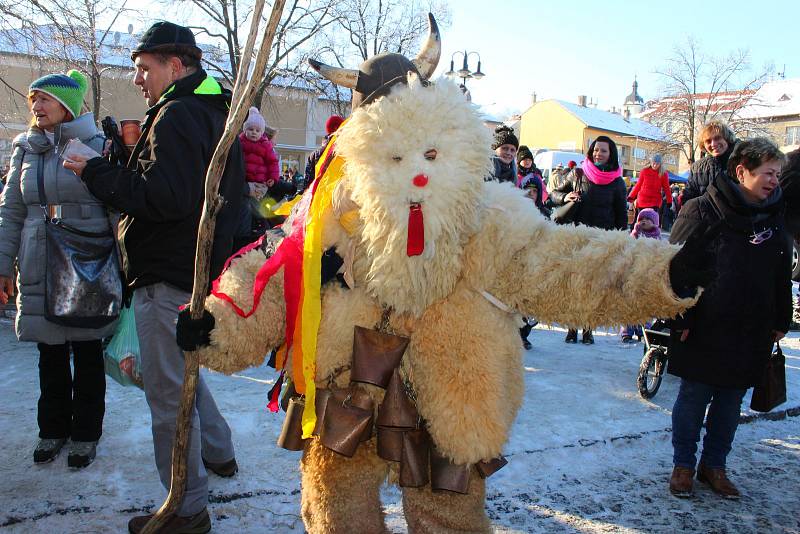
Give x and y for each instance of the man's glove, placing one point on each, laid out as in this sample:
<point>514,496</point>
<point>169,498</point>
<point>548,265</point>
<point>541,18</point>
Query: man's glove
<point>695,263</point>
<point>192,334</point>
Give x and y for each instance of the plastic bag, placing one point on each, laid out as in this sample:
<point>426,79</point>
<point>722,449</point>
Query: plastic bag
<point>122,359</point>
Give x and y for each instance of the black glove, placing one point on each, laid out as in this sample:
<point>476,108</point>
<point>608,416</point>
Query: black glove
<point>695,263</point>
<point>192,334</point>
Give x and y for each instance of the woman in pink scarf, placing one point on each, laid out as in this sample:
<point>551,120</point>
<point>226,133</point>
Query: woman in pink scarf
<point>601,196</point>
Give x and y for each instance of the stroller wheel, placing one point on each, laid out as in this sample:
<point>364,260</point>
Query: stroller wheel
<point>651,371</point>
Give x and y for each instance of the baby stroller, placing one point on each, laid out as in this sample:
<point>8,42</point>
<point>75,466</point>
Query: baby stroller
<point>654,361</point>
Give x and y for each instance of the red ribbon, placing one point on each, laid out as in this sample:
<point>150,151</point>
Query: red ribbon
<point>416,231</point>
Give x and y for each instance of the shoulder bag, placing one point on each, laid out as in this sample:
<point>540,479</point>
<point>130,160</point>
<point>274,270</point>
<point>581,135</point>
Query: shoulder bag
<point>771,390</point>
<point>83,287</point>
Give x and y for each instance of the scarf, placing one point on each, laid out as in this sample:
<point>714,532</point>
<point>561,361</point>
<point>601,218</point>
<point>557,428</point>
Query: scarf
<point>597,176</point>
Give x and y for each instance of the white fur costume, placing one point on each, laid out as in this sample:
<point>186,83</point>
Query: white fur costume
<point>485,243</point>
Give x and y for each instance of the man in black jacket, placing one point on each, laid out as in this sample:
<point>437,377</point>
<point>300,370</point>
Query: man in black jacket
<point>160,196</point>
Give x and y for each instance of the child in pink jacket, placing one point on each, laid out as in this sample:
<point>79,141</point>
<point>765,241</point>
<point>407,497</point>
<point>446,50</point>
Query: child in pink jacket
<point>260,161</point>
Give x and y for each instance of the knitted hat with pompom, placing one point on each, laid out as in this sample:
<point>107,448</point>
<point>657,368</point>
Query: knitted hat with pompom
<point>255,119</point>
<point>69,89</point>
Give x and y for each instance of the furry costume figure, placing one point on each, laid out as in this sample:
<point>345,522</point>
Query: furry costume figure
<point>483,243</point>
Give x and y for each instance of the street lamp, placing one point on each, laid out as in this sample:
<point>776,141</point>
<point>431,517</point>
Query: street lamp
<point>464,73</point>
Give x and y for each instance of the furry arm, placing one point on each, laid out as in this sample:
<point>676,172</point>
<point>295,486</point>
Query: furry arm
<point>237,342</point>
<point>573,275</point>
<point>586,277</point>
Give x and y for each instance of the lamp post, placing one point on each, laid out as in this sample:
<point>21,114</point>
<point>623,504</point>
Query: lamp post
<point>464,73</point>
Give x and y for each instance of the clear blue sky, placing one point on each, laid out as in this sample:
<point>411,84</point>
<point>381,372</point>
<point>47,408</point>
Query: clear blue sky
<point>561,49</point>
<point>565,48</point>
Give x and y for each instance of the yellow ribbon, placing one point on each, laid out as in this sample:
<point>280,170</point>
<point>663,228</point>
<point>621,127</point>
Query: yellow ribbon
<point>311,303</point>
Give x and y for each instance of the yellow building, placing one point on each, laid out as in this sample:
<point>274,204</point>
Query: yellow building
<point>559,125</point>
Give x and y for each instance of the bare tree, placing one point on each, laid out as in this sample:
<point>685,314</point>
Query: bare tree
<point>75,32</point>
<point>372,27</point>
<point>302,20</point>
<point>700,88</point>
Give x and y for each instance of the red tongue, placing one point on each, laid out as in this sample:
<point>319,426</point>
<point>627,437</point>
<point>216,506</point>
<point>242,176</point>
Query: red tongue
<point>416,231</point>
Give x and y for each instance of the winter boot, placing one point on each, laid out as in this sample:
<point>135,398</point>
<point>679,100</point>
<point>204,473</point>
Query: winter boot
<point>199,523</point>
<point>627,339</point>
<point>572,336</point>
<point>81,453</point>
<point>527,344</point>
<point>680,483</point>
<point>588,338</point>
<point>222,469</point>
<point>718,480</point>
<point>47,450</point>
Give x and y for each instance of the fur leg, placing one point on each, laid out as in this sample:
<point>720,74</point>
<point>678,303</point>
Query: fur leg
<point>341,495</point>
<point>429,512</point>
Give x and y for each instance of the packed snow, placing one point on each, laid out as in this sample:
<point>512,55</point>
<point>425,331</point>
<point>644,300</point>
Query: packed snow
<point>586,454</point>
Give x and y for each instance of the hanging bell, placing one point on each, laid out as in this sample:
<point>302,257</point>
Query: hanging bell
<point>321,397</point>
<point>397,410</point>
<point>375,355</point>
<point>291,437</point>
<point>447,476</point>
<point>487,468</point>
<point>390,443</point>
<point>415,463</point>
<point>345,424</point>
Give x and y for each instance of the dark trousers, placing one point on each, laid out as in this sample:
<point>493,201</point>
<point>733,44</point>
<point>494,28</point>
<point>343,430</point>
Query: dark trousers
<point>721,423</point>
<point>71,406</point>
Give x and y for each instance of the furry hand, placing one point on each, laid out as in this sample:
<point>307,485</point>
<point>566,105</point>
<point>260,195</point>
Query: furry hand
<point>192,334</point>
<point>694,264</point>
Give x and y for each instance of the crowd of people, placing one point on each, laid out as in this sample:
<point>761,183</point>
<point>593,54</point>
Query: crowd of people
<point>719,348</point>
<point>154,202</point>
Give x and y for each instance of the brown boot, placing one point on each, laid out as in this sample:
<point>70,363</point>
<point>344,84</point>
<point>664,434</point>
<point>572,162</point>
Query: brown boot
<point>680,483</point>
<point>199,523</point>
<point>718,480</point>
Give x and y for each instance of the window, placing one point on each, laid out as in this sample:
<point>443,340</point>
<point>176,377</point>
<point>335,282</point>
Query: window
<point>668,127</point>
<point>669,159</point>
<point>639,153</point>
<point>792,135</point>
<point>624,154</point>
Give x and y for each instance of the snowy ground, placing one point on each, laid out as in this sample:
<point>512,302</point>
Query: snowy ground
<point>587,454</point>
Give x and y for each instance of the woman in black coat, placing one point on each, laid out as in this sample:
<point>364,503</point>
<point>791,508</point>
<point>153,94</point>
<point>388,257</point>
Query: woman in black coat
<point>599,191</point>
<point>719,348</point>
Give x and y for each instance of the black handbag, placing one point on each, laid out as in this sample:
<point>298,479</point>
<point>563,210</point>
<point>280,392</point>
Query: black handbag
<point>771,390</point>
<point>83,287</point>
<point>568,212</point>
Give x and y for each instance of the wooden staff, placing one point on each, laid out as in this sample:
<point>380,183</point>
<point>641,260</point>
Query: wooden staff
<point>242,95</point>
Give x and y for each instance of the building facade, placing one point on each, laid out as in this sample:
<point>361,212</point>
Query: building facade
<point>560,125</point>
<point>296,109</point>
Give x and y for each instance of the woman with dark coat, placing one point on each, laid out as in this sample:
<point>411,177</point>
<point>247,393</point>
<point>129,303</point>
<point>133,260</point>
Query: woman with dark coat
<point>601,198</point>
<point>719,348</point>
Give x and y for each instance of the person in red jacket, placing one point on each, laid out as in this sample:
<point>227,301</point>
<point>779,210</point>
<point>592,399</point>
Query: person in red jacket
<point>652,181</point>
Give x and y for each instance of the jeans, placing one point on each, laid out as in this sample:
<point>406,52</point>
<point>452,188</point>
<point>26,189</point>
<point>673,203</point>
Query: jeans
<point>156,311</point>
<point>721,423</point>
<point>71,406</point>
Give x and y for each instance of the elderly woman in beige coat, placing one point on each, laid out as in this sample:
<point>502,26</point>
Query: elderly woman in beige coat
<point>71,407</point>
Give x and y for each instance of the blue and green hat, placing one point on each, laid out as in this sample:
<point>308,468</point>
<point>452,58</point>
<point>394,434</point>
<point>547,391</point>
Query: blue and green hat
<point>69,89</point>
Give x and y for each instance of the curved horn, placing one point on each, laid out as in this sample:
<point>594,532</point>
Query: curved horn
<point>428,57</point>
<point>344,77</point>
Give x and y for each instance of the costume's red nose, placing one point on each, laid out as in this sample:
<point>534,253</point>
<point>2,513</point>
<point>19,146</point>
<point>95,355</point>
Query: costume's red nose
<point>420,180</point>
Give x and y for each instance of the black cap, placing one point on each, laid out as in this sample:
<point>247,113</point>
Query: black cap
<point>166,37</point>
<point>524,153</point>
